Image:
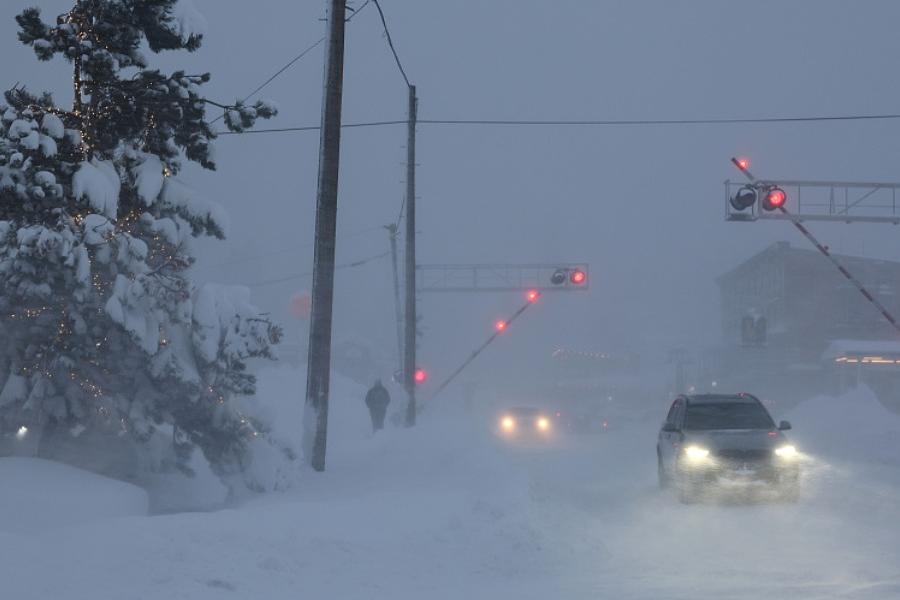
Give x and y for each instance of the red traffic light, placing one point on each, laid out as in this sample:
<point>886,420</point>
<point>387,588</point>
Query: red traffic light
<point>420,376</point>
<point>578,277</point>
<point>775,198</point>
<point>533,295</point>
<point>500,325</point>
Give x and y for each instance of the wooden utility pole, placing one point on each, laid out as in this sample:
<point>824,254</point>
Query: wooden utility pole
<point>319,361</point>
<point>409,346</point>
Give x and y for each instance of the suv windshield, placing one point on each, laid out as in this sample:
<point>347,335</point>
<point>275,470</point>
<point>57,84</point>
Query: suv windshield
<point>727,415</point>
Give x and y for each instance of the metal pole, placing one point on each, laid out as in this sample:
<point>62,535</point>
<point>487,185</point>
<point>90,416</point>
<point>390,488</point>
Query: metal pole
<point>398,307</point>
<point>319,361</point>
<point>409,346</point>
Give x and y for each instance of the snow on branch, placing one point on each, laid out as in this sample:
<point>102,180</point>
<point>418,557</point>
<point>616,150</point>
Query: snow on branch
<point>98,182</point>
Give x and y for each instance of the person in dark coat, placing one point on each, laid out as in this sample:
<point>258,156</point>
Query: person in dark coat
<point>377,399</point>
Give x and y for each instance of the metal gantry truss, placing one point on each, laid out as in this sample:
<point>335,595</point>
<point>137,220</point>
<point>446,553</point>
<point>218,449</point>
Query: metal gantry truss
<point>499,277</point>
<point>841,201</point>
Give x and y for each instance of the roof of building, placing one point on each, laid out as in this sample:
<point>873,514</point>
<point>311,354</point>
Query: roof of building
<point>811,260</point>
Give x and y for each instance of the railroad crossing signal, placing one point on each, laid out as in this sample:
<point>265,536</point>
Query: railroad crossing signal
<point>847,202</point>
<point>773,197</point>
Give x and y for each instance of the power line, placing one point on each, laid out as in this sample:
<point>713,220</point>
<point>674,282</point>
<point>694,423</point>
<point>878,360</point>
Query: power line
<point>724,121</point>
<point>390,42</point>
<point>350,265</point>
<point>311,128</point>
<point>275,76</point>
<point>291,62</point>
<point>387,33</point>
<point>286,250</point>
<point>600,123</point>
<point>400,215</point>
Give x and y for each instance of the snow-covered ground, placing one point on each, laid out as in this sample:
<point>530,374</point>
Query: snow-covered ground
<point>444,511</point>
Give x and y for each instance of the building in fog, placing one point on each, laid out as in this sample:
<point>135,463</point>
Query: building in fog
<point>788,314</point>
<point>805,301</point>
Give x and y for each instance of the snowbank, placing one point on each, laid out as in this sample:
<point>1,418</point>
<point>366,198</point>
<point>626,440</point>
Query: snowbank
<point>854,426</point>
<point>436,511</point>
<point>39,495</point>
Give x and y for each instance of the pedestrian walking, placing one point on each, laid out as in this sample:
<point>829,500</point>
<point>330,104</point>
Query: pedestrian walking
<point>378,399</point>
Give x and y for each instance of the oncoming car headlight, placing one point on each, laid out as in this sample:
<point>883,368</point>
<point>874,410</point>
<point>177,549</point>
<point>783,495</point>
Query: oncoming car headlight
<point>696,453</point>
<point>787,452</point>
<point>507,423</point>
<point>543,424</point>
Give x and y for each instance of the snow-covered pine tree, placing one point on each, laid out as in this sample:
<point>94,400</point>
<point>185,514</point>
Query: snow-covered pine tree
<point>101,328</point>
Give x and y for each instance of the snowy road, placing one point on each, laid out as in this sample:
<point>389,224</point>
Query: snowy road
<point>445,511</point>
<point>626,539</point>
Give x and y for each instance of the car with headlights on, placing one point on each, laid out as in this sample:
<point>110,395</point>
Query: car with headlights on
<point>719,438</point>
<point>524,422</point>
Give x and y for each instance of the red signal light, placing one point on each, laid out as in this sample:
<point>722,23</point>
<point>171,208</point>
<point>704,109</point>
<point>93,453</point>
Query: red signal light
<point>775,198</point>
<point>532,295</point>
<point>500,325</point>
<point>578,277</point>
<point>743,163</point>
<point>420,376</point>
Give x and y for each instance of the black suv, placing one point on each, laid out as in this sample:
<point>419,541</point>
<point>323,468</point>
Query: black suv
<point>713,438</point>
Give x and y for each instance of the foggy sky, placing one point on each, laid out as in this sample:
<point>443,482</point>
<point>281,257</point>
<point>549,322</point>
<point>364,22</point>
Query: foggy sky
<point>643,205</point>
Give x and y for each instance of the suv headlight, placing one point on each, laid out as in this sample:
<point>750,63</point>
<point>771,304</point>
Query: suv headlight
<point>696,453</point>
<point>786,452</point>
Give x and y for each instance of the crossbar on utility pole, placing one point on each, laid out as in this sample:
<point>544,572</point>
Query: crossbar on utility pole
<point>319,362</point>
<point>409,346</point>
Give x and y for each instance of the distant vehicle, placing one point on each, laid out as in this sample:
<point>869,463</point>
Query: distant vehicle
<point>709,439</point>
<point>524,422</point>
